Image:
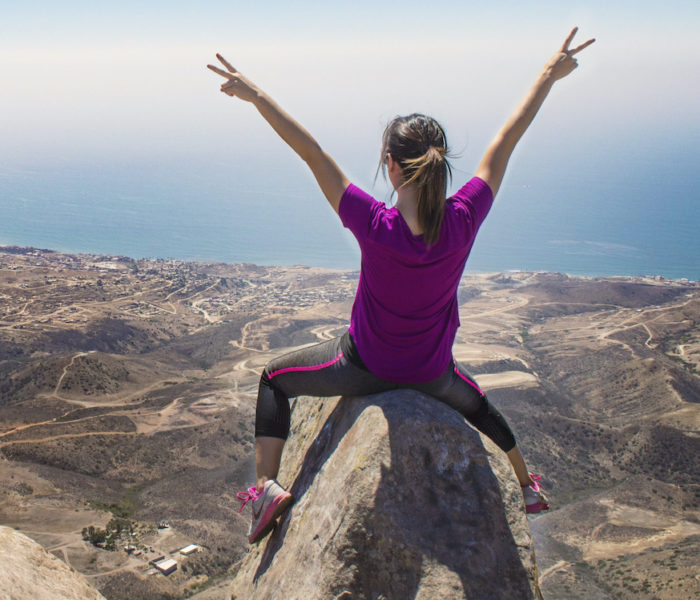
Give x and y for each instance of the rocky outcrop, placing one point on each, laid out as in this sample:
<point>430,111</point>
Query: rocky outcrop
<point>397,497</point>
<point>28,572</point>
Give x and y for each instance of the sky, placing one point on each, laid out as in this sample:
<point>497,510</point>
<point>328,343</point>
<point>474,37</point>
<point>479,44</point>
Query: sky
<point>119,79</point>
<point>99,84</point>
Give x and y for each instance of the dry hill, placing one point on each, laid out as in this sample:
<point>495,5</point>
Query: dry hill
<point>127,390</point>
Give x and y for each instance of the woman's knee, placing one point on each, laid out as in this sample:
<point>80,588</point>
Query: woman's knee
<point>269,375</point>
<point>269,369</point>
<point>272,413</point>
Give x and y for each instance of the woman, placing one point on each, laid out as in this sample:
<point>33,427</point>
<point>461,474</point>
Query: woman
<point>405,314</point>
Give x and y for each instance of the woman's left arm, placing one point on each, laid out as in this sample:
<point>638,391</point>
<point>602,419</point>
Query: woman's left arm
<point>330,178</point>
<point>493,164</point>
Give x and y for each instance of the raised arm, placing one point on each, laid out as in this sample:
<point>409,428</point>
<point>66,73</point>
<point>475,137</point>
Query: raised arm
<point>493,164</point>
<point>330,178</point>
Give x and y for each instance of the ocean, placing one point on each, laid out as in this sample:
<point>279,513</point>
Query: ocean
<point>638,223</point>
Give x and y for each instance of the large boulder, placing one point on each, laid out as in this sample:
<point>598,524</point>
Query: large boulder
<point>28,572</point>
<point>396,497</point>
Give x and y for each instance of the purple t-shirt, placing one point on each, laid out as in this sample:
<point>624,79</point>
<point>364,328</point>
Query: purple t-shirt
<point>405,316</point>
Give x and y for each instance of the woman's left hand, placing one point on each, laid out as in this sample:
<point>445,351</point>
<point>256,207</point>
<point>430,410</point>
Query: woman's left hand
<point>563,61</point>
<point>236,84</point>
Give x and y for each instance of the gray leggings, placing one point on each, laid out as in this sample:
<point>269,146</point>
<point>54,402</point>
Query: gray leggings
<point>325,370</point>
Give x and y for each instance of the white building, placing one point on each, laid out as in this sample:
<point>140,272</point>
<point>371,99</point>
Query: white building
<point>187,550</point>
<point>166,566</point>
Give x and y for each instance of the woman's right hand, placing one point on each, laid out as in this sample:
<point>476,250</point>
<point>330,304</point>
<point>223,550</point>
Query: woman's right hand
<point>330,178</point>
<point>236,84</point>
<point>563,61</point>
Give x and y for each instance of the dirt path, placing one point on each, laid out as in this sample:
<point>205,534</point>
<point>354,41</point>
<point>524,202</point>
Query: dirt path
<point>507,379</point>
<point>324,332</point>
<point>562,565</point>
<point>65,371</point>
<point>68,436</point>
<point>244,335</point>
<point>196,303</point>
<point>205,314</point>
<point>159,420</point>
<point>639,320</point>
<point>605,336</point>
<point>53,421</point>
<point>163,415</point>
<point>121,401</point>
<point>24,308</point>
<point>130,565</point>
<point>668,529</point>
<point>242,365</point>
<point>72,539</point>
<point>521,301</point>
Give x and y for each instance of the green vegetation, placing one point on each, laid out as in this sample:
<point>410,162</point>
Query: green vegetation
<point>106,538</point>
<point>524,334</point>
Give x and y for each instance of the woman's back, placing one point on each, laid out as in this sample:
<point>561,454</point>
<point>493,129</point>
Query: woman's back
<point>405,314</point>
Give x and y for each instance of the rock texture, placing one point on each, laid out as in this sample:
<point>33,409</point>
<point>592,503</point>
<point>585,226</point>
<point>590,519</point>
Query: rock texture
<point>397,497</point>
<point>28,572</point>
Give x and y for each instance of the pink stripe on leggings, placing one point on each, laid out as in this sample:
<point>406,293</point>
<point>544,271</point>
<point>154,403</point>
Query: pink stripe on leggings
<point>469,381</point>
<point>311,368</point>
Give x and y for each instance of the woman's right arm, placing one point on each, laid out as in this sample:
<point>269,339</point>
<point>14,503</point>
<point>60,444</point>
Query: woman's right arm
<point>493,164</point>
<point>330,178</point>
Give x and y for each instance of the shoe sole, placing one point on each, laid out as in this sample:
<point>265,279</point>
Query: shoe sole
<point>537,507</point>
<point>278,507</point>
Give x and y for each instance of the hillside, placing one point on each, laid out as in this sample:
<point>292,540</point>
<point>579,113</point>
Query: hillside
<point>127,389</point>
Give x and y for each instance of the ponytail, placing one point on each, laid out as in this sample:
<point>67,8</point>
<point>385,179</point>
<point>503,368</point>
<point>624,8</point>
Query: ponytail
<point>429,172</point>
<point>419,145</point>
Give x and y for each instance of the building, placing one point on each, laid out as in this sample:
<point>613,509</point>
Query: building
<point>187,550</point>
<point>166,566</point>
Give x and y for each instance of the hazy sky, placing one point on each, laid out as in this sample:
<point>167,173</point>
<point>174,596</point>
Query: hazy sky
<point>85,80</point>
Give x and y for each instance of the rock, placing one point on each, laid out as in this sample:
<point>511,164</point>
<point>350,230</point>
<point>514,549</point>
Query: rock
<point>28,572</point>
<point>396,497</point>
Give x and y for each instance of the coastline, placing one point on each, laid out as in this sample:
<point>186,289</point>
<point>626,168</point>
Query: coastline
<point>118,258</point>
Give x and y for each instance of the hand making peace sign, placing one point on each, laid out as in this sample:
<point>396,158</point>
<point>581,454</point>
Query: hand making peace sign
<point>237,84</point>
<point>563,61</point>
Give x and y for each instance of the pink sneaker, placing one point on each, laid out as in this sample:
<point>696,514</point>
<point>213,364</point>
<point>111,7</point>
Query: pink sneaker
<point>267,505</point>
<point>535,500</point>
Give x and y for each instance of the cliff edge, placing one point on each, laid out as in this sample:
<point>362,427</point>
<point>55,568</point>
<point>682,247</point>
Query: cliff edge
<point>396,497</point>
<point>28,572</point>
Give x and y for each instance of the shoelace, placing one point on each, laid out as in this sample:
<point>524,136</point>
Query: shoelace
<point>536,485</point>
<point>245,497</point>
